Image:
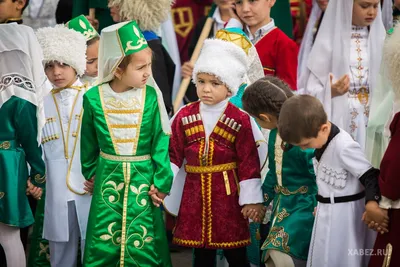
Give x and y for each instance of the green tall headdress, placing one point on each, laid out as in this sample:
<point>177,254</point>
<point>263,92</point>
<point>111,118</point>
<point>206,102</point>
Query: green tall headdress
<point>117,41</point>
<point>82,25</point>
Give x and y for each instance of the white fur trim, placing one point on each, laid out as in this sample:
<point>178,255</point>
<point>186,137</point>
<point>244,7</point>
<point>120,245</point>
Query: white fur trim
<point>149,14</point>
<point>63,45</point>
<point>391,58</point>
<point>225,60</point>
<point>250,192</point>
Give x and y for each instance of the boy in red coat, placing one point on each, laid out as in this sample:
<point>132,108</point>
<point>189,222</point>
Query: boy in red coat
<point>278,53</point>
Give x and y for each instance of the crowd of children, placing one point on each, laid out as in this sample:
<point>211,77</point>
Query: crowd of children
<point>253,169</point>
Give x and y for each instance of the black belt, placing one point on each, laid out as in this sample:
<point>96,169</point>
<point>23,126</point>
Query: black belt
<point>327,200</point>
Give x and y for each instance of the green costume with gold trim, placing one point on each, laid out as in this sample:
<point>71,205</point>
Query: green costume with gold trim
<point>18,146</point>
<point>291,184</point>
<point>124,227</point>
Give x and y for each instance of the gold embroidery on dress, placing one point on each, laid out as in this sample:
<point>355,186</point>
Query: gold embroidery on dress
<point>115,236</point>
<point>285,191</point>
<point>44,249</point>
<point>275,234</point>
<point>139,191</point>
<point>282,215</point>
<point>132,103</point>
<point>183,20</point>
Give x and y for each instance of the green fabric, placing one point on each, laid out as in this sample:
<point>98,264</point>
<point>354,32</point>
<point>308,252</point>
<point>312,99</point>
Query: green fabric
<point>131,38</point>
<point>280,12</point>
<point>237,99</point>
<point>102,12</point>
<point>293,218</point>
<point>82,25</point>
<point>125,184</point>
<point>18,146</point>
<point>39,252</point>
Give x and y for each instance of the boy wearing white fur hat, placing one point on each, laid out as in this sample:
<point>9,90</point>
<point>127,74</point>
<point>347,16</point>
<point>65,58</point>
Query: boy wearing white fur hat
<point>216,140</point>
<point>67,203</point>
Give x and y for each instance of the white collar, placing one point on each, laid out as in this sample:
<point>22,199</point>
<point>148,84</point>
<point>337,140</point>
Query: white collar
<point>261,31</point>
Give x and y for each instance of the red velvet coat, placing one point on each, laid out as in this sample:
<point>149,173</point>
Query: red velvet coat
<point>278,54</point>
<point>210,215</point>
<point>389,183</point>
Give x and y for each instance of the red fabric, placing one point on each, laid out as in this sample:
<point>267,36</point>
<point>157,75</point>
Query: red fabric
<point>389,179</point>
<point>185,15</point>
<point>393,237</point>
<point>208,217</point>
<point>295,12</point>
<point>278,54</point>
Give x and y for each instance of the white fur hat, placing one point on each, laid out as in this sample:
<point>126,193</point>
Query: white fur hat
<point>63,45</point>
<point>223,59</point>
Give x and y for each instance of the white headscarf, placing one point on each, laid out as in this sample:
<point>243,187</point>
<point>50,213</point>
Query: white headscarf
<point>331,54</point>
<point>306,46</point>
<point>21,69</point>
<point>387,14</point>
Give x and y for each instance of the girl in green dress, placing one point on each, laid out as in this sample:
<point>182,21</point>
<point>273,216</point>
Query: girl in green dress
<point>290,182</point>
<point>124,148</point>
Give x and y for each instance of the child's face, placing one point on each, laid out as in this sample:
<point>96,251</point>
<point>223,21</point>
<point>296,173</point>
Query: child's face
<point>266,121</point>
<point>255,13</point>
<point>316,142</point>
<point>10,9</point>
<point>114,12</point>
<point>138,70</point>
<point>60,75</point>
<point>323,4</point>
<point>210,89</point>
<point>92,53</point>
<point>364,12</point>
<point>224,4</point>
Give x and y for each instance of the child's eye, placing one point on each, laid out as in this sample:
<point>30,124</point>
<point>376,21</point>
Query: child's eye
<point>200,81</point>
<point>215,84</point>
<point>238,2</point>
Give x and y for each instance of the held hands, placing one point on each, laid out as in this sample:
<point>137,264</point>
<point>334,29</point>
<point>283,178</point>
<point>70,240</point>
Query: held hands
<point>341,86</point>
<point>255,212</point>
<point>375,217</point>
<point>89,185</point>
<point>156,196</point>
<point>32,190</point>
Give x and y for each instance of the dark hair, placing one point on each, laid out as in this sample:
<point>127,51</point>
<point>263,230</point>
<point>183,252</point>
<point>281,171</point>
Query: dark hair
<point>301,117</point>
<point>93,40</point>
<point>266,95</point>
<point>26,4</point>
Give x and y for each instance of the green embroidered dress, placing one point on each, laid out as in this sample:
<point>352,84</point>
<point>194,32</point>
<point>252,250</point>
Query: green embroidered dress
<point>18,146</point>
<point>124,147</point>
<point>291,184</point>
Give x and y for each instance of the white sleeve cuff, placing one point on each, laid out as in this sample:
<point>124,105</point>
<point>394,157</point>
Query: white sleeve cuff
<point>234,23</point>
<point>175,169</point>
<point>385,203</point>
<point>250,192</point>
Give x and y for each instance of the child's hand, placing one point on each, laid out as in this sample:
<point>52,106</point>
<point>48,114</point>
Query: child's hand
<point>89,185</point>
<point>156,196</point>
<point>255,212</point>
<point>187,69</point>
<point>315,211</point>
<point>377,215</point>
<point>340,87</point>
<point>34,191</point>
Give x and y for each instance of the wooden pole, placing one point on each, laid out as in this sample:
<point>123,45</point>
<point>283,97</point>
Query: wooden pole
<point>92,13</point>
<point>186,81</point>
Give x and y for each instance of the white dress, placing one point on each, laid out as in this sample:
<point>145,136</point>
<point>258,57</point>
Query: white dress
<point>339,235</point>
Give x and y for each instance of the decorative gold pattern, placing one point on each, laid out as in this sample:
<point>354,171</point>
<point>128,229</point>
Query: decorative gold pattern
<point>122,111</point>
<point>132,103</point>
<point>227,185</point>
<point>5,145</point>
<point>211,169</point>
<point>125,141</point>
<point>124,158</point>
<point>44,249</point>
<point>235,38</point>
<point>282,215</point>
<point>285,191</point>
<point>40,179</point>
<point>183,27</point>
<point>275,234</point>
<point>124,126</point>
<point>127,179</point>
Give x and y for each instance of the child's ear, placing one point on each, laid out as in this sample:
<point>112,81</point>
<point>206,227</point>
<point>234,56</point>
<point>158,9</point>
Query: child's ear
<point>118,73</point>
<point>324,128</point>
<point>264,117</point>
<point>229,93</point>
<point>20,4</point>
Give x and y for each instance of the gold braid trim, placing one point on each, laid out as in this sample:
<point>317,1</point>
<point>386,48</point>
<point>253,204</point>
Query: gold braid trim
<point>285,191</point>
<point>211,169</point>
<point>39,179</point>
<point>190,243</point>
